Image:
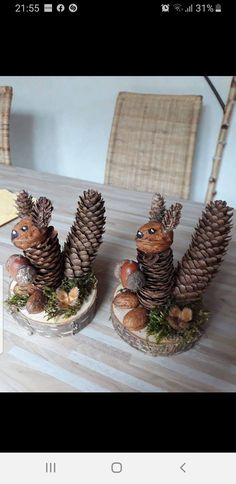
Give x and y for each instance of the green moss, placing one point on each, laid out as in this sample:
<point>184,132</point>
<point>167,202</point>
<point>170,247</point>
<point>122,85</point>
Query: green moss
<point>17,301</point>
<point>159,326</point>
<point>85,285</point>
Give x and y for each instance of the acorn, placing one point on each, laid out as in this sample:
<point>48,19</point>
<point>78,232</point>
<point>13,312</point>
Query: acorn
<point>117,268</point>
<point>36,302</point>
<point>26,275</point>
<point>16,262</point>
<point>136,319</point>
<point>126,300</point>
<point>24,290</point>
<point>127,268</point>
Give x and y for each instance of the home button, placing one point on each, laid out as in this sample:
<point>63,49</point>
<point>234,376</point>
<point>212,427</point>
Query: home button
<point>116,467</point>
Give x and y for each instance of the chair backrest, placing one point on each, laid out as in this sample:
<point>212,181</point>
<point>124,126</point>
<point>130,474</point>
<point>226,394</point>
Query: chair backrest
<point>152,142</point>
<point>5,108</point>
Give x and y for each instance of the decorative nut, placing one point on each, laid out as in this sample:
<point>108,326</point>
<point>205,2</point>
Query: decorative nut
<point>26,235</point>
<point>20,291</point>
<point>16,262</point>
<point>152,238</point>
<point>126,300</point>
<point>36,302</point>
<point>128,267</point>
<point>117,269</point>
<point>136,319</point>
<point>25,275</point>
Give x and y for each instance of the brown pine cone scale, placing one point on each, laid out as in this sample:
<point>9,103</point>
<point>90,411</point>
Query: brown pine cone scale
<point>48,261</point>
<point>85,235</point>
<point>159,278</point>
<point>24,204</point>
<point>206,251</point>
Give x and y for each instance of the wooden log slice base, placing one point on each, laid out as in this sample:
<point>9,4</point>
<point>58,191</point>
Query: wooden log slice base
<point>141,341</point>
<point>55,327</point>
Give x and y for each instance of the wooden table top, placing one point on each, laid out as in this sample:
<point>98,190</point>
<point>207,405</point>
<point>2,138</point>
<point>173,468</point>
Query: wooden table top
<point>96,359</point>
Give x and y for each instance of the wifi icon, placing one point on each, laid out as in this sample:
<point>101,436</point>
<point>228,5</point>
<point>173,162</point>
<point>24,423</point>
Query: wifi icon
<point>178,7</point>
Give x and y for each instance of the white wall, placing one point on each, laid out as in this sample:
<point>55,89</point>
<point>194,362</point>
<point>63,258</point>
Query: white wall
<point>62,125</point>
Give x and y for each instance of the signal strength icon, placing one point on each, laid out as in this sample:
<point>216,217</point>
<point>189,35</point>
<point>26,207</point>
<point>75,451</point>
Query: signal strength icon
<point>178,7</point>
<point>189,9</point>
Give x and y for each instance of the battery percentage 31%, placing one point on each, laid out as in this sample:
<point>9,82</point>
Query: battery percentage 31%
<point>204,8</point>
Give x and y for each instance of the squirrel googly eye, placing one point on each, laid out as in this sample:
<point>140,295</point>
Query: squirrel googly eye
<point>24,228</point>
<point>152,231</point>
<point>139,234</point>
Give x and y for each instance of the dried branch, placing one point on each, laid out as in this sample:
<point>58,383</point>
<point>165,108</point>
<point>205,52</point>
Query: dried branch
<point>217,95</point>
<point>216,162</point>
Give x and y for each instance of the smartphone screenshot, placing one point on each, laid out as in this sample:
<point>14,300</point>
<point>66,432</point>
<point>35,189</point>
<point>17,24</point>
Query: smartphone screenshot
<point>117,242</point>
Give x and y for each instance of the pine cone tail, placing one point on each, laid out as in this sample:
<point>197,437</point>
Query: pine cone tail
<point>206,251</point>
<point>48,261</point>
<point>85,235</point>
<point>158,270</point>
<point>24,204</point>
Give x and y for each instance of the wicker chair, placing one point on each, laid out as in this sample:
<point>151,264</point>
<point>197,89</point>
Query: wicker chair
<point>5,107</point>
<point>152,143</point>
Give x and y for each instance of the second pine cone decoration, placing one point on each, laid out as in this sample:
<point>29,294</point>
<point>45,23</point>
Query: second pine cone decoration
<point>161,286</point>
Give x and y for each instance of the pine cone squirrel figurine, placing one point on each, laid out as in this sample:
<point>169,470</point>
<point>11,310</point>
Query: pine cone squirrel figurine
<point>158,281</point>
<point>152,276</point>
<point>154,254</point>
<point>44,262</point>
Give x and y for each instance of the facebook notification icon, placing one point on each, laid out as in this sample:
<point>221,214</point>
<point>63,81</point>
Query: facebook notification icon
<point>60,7</point>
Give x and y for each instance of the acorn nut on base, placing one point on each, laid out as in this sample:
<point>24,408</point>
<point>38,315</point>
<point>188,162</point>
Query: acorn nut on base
<point>136,319</point>
<point>36,302</point>
<point>126,300</point>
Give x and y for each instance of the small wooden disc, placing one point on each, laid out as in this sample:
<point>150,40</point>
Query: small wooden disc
<point>59,326</point>
<point>141,341</point>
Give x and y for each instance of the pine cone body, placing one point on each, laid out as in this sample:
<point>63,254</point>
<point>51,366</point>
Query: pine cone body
<point>48,260</point>
<point>158,270</point>
<point>24,204</point>
<point>85,235</point>
<point>205,253</point>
